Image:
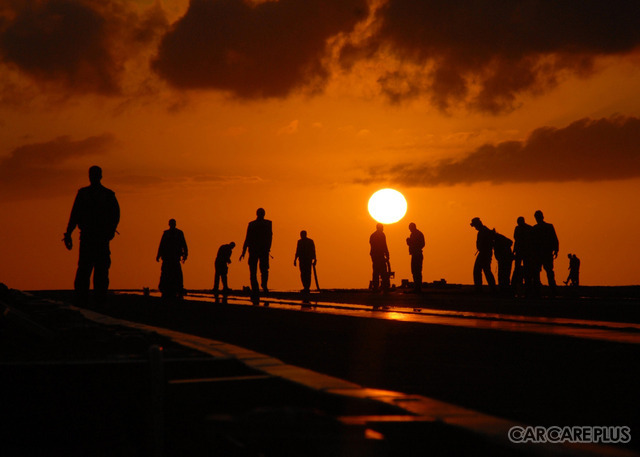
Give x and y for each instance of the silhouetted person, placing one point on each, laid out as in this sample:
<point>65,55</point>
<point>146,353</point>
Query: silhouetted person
<point>379,259</point>
<point>306,257</point>
<point>258,241</point>
<point>172,250</point>
<point>574,271</point>
<point>96,213</point>
<point>484,245</point>
<point>545,250</point>
<point>523,255</point>
<point>416,243</point>
<point>504,256</point>
<point>223,259</point>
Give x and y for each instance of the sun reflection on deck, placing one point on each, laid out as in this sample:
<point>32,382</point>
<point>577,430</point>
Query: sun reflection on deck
<point>397,316</point>
<point>576,328</point>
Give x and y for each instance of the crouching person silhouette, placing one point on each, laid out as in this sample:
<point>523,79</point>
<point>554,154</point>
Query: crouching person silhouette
<point>223,259</point>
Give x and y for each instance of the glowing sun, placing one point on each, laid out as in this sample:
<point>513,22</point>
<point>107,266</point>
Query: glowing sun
<point>387,206</point>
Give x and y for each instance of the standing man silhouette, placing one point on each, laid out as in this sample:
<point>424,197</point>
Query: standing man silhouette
<point>172,249</point>
<point>416,243</point>
<point>504,256</point>
<point>306,255</point>
<point>545,250</point>
<point>379,259</point>
<point>96,213</point>
<point>522,252</point>
<point>484,245</point>
<point>258,242</point>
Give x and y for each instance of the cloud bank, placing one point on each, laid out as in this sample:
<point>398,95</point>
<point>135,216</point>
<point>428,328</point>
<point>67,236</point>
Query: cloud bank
<point>38,169</point>
<point>488,52</point>
<point>482,55</point>
<point>80,45</point>
<point>586,150</point>
<point>251,50</point>
<point>50,169</point>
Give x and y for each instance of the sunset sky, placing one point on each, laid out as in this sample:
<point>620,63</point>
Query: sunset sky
<point>205,110</point>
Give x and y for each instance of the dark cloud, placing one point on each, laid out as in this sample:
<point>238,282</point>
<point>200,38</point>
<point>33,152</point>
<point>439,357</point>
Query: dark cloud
<point>484,53</point>
<point>587,150</point>
<point>61,40</point>
<point>38,169</point>
<point>80,44</point>
<point>254,50</point>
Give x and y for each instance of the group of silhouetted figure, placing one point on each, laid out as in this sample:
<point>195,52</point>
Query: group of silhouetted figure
<point>173,250</point>
<point>96,213</point>
<point>379,253</point>
<point>535,247</point>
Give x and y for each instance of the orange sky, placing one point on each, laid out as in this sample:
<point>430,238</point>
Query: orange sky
<point>204,112</point>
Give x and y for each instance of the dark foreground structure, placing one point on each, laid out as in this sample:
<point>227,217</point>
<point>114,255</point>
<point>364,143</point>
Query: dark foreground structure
<point>195,378</point>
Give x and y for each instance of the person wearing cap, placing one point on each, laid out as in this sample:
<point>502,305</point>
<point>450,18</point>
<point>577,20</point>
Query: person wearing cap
<point>484,245</point>
<point>223,259</point>
<point>545,250</point>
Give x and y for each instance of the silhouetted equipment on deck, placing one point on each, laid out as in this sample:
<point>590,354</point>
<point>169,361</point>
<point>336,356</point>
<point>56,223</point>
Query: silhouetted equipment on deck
<point>390,274</point>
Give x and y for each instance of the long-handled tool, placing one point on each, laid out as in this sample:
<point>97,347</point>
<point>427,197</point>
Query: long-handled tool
<point>391,274</point>
<point>315,276</point>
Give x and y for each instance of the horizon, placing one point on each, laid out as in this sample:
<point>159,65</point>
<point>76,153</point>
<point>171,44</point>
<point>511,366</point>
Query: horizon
<point>510,109</point>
